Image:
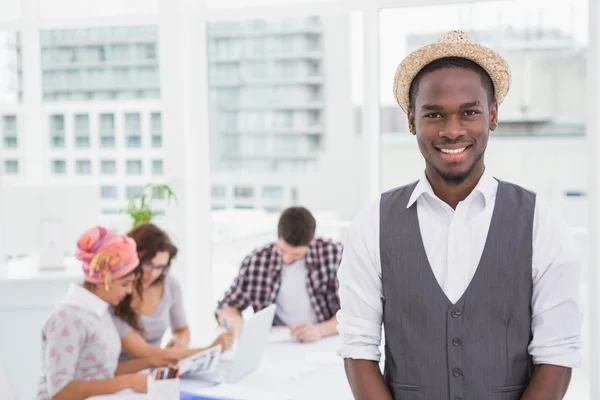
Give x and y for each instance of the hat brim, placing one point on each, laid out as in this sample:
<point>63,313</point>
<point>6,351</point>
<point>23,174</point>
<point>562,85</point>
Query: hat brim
<point>493,63</point>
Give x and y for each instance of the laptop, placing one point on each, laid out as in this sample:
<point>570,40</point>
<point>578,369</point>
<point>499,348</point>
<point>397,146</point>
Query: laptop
<point>249,349</point>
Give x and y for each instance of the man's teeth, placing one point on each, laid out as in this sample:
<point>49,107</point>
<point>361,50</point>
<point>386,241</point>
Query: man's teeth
<point>453,151</point>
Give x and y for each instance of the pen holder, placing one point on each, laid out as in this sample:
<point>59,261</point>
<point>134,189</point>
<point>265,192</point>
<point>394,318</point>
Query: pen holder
<point>164,389</point>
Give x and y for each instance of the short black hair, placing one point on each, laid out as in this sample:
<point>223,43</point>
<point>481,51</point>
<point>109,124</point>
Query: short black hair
<point>452,62</point>
<point>296,226</point>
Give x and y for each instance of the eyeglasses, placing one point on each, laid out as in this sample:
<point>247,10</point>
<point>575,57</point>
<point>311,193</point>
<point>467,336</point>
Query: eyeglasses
<point>149,265</point>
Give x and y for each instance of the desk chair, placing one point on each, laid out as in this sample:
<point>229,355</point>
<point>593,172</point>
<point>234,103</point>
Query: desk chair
<point>5,386</point>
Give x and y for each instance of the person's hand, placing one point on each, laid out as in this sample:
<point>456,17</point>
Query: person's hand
<point>225,340</point>
<point>166,358</point>
<point>138,382</point>
<point>305,333</point>
<point>233,323</point>
<point>176,342</point>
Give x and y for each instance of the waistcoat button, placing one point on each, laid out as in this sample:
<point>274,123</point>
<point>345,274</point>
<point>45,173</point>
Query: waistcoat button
<point>457,372</point>
<point>457,342</point>
<point>456,314</point>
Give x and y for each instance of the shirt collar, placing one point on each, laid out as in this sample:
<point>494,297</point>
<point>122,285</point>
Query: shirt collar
<point>79,296</point>
<point>486,187</point>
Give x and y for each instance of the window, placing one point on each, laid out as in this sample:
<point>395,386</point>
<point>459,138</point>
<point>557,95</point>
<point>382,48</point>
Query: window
<point>83,167</point>
<point>108,167</point>
<point>11,167</point>
<point>133,192</point>
<point>57,131</point>
<point>272,192</point>
<point>284,119</point>
<point>243,192</point>
<point>59,167</point>
<point>107,131</point>
<point>157,167</point>
<point>108,192</point>
<point>133,130</point>
<point>156,129</point>
<point>259,85</point>
<point>218,191</point>
<point>287,144</point>
<point>9,131</point>
<point>134,167</point>
<point>82,131</point>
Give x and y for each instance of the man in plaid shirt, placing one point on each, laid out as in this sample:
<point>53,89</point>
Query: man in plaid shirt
<point>297,273</point>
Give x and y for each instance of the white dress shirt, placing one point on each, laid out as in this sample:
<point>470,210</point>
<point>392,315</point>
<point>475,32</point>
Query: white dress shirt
<point>454,241</point>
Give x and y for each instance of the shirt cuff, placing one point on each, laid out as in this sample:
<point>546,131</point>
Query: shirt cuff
<point>370,352</point>
<point>569,359</point>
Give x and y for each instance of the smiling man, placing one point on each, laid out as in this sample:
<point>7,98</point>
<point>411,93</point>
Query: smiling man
<point>475,281</point>
<point>297,273</point>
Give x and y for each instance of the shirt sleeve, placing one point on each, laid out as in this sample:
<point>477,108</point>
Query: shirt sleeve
<point>65,338</point>
<point>555,303</point>
<point>360,291</point>
<point>177,311</point>
<point>237,295</point>
<point>122,327</point>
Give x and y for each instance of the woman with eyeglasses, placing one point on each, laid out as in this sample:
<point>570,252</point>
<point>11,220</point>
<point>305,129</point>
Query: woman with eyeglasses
<point>159,302</point>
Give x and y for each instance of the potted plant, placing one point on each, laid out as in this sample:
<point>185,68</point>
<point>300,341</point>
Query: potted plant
<point>140,208</point>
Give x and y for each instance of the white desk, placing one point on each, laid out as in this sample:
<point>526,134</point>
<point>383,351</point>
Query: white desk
<point>288,370</point>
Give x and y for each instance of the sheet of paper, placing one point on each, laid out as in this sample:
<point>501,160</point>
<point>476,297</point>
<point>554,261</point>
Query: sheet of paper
<point>323,358</point>
<point>202,362</point>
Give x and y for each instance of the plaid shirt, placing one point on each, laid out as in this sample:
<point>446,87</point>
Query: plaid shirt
<point>259,279</point>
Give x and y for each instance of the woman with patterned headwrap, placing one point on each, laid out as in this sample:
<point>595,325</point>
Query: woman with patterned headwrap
<point>80,343</point>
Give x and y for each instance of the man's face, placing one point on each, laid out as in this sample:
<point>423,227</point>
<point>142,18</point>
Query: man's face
<point>452,119</point>
<point>290,254</point>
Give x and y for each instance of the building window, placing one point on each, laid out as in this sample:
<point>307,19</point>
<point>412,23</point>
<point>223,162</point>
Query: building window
<point>134,167</point>
<point>133,192</point>
<point>133,130</point>
<point>57,131</point>
<point>272,192</point>
<point>108,167</point>
<point>82,131</point>
<point>156,129</point>
<point>83,167</point>
<point>294,195</point>
<point>11,167</point>
<point>157,167</point>
<point>9,131</point>
<point>218,192</point>
<point>243,192</point>
<point>107,131</point>
<point>59,167</point>
<point>108,192</point>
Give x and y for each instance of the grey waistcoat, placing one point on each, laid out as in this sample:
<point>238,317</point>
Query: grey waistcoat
<point>475,349</point>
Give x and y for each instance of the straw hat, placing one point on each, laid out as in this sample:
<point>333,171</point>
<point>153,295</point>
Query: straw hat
<point>452,44</point>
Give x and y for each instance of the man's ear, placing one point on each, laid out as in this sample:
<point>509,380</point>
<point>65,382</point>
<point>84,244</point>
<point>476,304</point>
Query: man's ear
<point>411,122</point>
<point>494,116</point>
